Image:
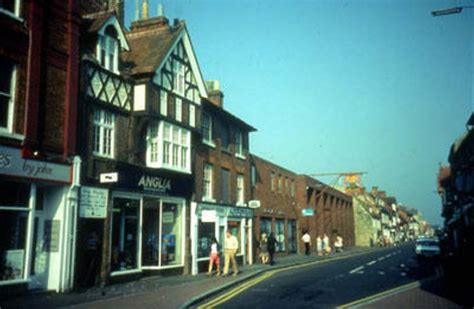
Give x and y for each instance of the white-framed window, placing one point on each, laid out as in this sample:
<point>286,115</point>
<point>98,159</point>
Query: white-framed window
<point>207,182</point>
<point>10,7</point>
<point>178,109</point>
<point>178,78</point>
<point>7,94</point>
<point>280,184</point>
<point>239,143</point>
<point>168,146</point>
<point>192,115</point>
<point>207,128</point>
<point>163,103</point>
<point>293,188</point>
<point>272,181</point>
<point>240,189</point>
<point>104,123</point>
<point>108,50</point>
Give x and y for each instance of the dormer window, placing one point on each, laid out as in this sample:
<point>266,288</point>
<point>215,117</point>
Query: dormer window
<point>108,49</point>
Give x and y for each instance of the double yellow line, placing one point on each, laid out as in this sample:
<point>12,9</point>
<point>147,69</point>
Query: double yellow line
<point>236,291</point>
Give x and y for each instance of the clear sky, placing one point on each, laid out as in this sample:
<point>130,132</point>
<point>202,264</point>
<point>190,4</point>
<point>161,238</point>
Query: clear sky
<point>335,86</point>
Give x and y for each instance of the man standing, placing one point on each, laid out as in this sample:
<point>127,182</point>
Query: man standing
<point>231,247</point>
<point>307,242</point>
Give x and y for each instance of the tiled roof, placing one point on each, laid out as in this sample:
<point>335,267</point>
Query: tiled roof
<point>95,21</point>
<point>148,49</point>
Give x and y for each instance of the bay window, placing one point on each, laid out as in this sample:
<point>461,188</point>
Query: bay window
<point>168,146</point>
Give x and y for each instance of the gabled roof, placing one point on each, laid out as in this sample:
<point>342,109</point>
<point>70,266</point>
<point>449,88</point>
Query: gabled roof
<point>149,50</point>
<point>97,22</point>
<point>151,47</point>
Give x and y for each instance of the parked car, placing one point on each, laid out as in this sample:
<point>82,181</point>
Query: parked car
<point>427,248</point>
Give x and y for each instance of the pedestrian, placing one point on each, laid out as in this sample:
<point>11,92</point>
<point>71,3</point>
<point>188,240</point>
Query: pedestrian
<point>326,247</point>
<point>338,244</point>
<point>214,258</point>
<point>231,247</point>
<point>307,242</point>
<point>319,245</point>
<point>264,248</point>
<point>271,247</point>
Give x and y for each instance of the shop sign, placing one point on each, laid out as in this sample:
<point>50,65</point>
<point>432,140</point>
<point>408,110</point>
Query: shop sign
<point>254,204</point>
<point>168,217</point>
<point>11,163</point>
<point>308,212</point>
<point>93,203</point>
<point>226,211</point>
<point>159,184</point>
<point>208,216</point>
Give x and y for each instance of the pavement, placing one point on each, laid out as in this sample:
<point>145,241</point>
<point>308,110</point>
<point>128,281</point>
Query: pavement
<point>161,291</point>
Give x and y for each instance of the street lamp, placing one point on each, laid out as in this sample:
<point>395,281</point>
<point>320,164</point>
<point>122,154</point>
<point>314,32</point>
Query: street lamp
<point>455,10</point>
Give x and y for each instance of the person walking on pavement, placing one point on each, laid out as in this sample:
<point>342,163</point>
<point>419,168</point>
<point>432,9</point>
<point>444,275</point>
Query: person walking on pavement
<point>307,242</point>
<point>264,248</point>
<point>231,246</point>
<point>214,258</point>
<point>338,244</point>
<point>326,247</point>
<point>319,245</point>
<point>271,247</point>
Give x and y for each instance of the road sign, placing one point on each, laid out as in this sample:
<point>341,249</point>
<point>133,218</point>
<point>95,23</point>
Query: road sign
<point>307,212</point>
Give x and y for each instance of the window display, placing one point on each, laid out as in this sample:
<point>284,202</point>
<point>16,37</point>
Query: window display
<point>13,229</point>
<point>171,234</point>
<point>280,235</point>
<point>124,234</point>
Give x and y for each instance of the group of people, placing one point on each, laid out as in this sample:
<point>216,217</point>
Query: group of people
<point>231,246</point>
<point>322,244</point>
<point>267,248</point>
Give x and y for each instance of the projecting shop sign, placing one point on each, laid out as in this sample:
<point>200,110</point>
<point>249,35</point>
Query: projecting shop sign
<point>307,212</point>
<point>93,203</point>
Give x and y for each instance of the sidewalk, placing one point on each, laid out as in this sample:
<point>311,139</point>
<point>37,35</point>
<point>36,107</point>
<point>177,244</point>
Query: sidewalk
<point>159,291</point>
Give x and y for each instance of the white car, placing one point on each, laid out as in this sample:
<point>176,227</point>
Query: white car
<point>427,248</point>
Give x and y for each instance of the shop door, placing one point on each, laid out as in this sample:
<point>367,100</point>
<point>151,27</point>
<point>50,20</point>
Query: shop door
<point>151,232</point>
<point>40,258</point>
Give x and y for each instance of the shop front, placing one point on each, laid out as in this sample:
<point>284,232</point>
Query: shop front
<point>144,227</point>
<point>37,207</point>
<point>211,220</point>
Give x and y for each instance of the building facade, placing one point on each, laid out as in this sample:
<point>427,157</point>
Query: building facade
<point>38,100</point>
<point>275,190</point>
<point>221,182</point>
<point>140,112</point>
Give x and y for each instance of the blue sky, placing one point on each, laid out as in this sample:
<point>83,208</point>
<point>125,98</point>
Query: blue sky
<point>336,86</point>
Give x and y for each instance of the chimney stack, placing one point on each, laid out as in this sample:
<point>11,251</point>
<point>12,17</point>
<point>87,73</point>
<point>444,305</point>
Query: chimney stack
<point>375,191</point>
<point>145,9</point>
<point>147,23</point>
<point>216,96</point>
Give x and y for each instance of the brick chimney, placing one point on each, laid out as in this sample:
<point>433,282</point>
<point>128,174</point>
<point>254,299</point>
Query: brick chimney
<point>375,191</point>
<point>215,94</point>
<point>145,23</point>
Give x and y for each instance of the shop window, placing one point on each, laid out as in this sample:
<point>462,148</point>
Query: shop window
<point>124,234</point>
<point>7,94</point>
<point>162,233</point>
<point>206,231</point>
<point>13,229</point>
<point>280,235</point>
<point>292,236</point>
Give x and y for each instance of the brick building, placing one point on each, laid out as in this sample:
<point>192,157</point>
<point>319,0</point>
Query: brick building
<point>275,188</point>
<point>222,182</point>
<point>38,99</point>
<point>333,213</point>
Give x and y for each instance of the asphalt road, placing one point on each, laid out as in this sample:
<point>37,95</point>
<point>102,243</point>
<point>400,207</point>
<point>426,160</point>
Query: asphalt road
<point>335,283</point>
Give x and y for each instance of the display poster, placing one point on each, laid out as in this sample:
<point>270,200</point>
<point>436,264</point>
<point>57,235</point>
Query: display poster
<point>93,203</point>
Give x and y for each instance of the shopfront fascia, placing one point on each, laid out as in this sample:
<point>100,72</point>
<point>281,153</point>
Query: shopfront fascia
<point>212,220</point>
<point>37,222</point>
<point>146,220</point>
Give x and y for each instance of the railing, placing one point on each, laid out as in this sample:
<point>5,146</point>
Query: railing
<point>107,86</point>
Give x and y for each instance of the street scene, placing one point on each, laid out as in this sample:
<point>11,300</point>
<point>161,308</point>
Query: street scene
<point>231,154</point>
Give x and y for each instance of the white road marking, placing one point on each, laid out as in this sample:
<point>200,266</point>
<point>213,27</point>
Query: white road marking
<point>371,262</point>
<point>380,259</point>
<point>356,269</point>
